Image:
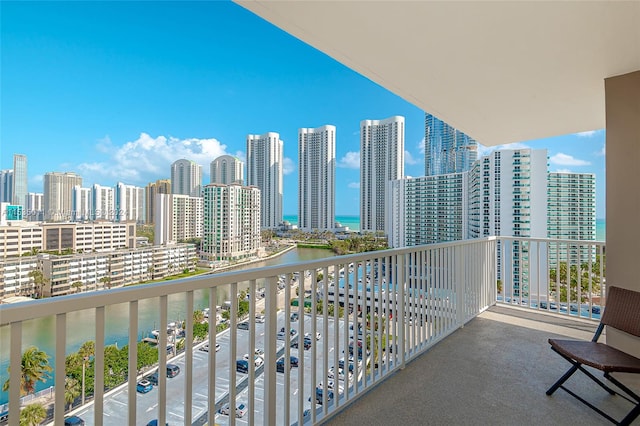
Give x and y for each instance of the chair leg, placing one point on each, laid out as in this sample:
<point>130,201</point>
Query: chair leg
<point>563,379</point>
<point>633,414</point>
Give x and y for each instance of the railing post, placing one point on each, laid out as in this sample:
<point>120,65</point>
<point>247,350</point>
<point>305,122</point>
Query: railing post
<point>402,323</point>
<point>271,305</point>
<point>15,373</point>
<point>459,284</point>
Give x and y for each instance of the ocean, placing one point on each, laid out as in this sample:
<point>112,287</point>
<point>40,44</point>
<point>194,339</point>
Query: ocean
<point>353,222</point>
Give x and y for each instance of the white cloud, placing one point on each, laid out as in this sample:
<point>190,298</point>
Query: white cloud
<point>288,166</point>
<point>563,171</point>
<point>147,158</point>
<point>408,159</point>
<point>421,146</point>
<point>567,160</point>
<point>587,134</point>
<point>354,185</point>
<point>36,180</point>
<point>603,151</point>
<point>351,160</point>
<point>486,150</point>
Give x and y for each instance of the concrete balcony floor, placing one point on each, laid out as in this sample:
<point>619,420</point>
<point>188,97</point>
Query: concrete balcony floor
<point>494,371</point>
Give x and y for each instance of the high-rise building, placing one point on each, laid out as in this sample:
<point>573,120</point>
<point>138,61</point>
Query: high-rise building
<point>426,210</point>
<point>227,169</point>
<point>35,207</point>
<point>381,160</point>
<point>264,171</point>
<point>186,178</point>
<point>6,186</point>
<point>20,179</point>
<point>102,202</point>
<point>231,222</point>
<point>129,203</point>
<point>58,195</point>
<point>446,150</point>
<point>177,218</point>
<point>508,194</point>
<point>571,214</point>
<point>82,206</point>
<point>161,186</point>
<point>317,171</point>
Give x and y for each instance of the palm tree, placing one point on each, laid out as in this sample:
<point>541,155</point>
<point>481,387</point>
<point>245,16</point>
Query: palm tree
<point>32,415</point>
<point>86,351</point>
<point>198,316</point>
<point>71,390</point>
<point>77,285</point>
<point>106,281</point>
<point>35,368</point>
<point>39,280</point>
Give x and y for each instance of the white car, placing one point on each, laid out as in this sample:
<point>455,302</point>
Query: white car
<point>260,318</point>
<point>241,410</point>
<point>281,335</point>
<point>308,335</point>
<point>257,359</point>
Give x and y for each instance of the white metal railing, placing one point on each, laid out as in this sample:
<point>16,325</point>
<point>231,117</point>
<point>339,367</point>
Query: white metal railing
<point>397,303</point>
<point>566,277</point>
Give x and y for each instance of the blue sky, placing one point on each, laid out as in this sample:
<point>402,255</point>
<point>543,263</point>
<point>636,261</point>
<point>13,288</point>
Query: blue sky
<point>117,91</point>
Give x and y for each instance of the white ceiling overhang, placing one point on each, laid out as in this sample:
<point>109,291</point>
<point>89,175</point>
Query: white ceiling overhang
<point>499,71</point>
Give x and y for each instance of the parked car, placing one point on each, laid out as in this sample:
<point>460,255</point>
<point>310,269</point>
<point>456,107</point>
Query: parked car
<point>281,335</point>
<point>259,351</point>
<point>73,421</point>
<point>319,395</point>
<point>242,366</point>
<point>306,343</point>
<point>308,335</point>
<point>172,370</point>
<point>144,386</point>
<point>292,331</point>
<point>260,318</point>
<point>241,410</point>
<point>257,359</point>
<point>294,317</point>
<point>244,325</point>
<point>154,422</point>
<point>293,360</point>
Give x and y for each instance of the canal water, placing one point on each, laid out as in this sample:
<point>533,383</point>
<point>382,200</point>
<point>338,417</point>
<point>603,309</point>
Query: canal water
<point>81,325</point>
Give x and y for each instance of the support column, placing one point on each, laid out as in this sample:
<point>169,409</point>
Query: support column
<point>622,95</point>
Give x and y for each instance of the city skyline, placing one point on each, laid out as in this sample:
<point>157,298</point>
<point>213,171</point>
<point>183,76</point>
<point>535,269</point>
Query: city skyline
<point>112,108</point>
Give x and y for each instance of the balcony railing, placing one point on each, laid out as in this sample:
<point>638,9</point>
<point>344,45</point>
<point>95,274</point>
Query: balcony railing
<point>396,304</point>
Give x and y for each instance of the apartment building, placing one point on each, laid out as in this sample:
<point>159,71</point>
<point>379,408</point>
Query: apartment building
<point>14,275</point>
<point>58,195</point>
<point>317,178</point>
<point>426,210</point>
<point>161,186</point>
<point>446,149</point>
<point>186,178</point>
<point>571,214</point>
<point>231,222</point>
<point>381,160</point>
<point>178,218</point>
<point>264,171</point>
<point>228,169</point>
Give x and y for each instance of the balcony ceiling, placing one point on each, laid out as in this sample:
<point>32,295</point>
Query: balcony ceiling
<point>501,72</point>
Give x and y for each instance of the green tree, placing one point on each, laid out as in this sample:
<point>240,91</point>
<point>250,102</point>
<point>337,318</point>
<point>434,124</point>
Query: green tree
<point>200,330</point>
<point>32,415</point>
<point>71,390</point>
<point>34,368</point>
<point>86,352</point>
<point>106,281</point>
<point>77,285</point>
<point>39,281</point>
<point>198,316</point>
<point>115,366</point>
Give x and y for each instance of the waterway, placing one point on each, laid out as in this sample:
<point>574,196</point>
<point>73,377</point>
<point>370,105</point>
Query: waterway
<point>81,325</point>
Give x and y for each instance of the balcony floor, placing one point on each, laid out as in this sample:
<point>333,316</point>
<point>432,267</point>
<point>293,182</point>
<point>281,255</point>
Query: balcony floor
<point>493,371</point>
